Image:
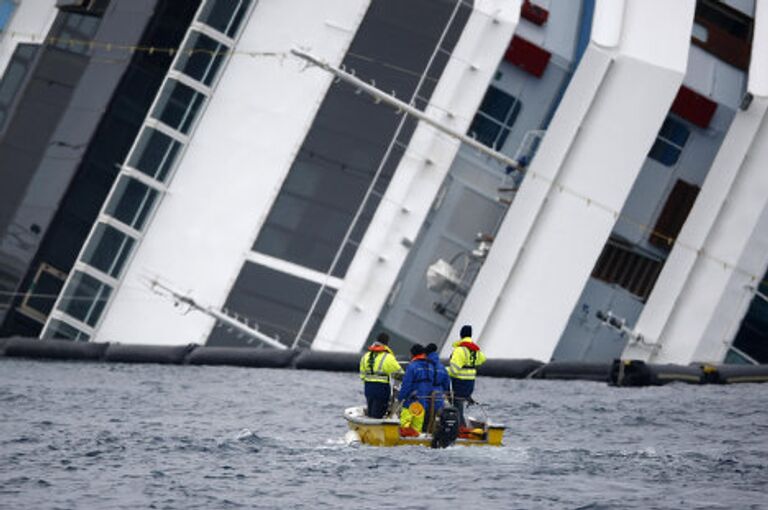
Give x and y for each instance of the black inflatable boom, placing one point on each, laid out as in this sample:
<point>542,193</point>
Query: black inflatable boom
<point>618,373</point>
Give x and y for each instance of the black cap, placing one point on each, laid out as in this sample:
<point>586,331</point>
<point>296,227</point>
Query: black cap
<point>383,338</point>
<point>417,349</point>
<point>466,330</point>
<point>430,348</point>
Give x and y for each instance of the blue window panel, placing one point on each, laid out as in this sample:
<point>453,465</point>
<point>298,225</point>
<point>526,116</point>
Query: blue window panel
<point>664,152</point>
<point>497,104</point>
<point>496,116</point>
<point>669,144</point>
<point>485,130</point>
<point>6,11</point>
<point>675,131</point>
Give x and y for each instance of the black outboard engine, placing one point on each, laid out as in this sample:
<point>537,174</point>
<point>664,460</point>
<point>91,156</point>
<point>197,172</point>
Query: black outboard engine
<point>446,428</point>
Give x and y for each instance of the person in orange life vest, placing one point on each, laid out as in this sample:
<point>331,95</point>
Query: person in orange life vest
<point>465,359</point>
<point>376,367</point>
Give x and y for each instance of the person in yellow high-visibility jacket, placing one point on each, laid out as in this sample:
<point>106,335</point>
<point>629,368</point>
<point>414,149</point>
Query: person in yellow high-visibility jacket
<point>376,367</point>
<point>465,359</point>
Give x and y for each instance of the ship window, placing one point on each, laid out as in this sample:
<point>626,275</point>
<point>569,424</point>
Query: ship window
<point>6,10</point>
<point>63,331</point>
<point>224,15</point>
<point>619,264</point>
<point>42,293</point>
<point>201,58</point>
<point>752,337</point>
<point>670,142</point>
<point>672,217</point>
<point>131,202</point>
<point>279,303</point>
<point>14,77</point>
<point>75,32</point>
<point>84,298</point>
<point>154,154</point>
<point>497,114</point>
<point>724,32</point>
<point>178,105</point>
<point>108,249</point>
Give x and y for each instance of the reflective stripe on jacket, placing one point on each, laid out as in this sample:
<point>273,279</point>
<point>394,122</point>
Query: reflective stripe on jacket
<point>378,364</point>
<point>465,359</point>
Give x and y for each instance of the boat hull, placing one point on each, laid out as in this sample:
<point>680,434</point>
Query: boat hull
<point>386,432</point>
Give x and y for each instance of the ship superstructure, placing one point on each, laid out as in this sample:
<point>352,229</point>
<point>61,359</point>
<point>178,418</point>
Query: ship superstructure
<point>259,186</point>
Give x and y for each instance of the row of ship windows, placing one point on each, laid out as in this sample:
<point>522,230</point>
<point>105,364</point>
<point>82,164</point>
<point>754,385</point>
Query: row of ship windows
<point>85,296</point>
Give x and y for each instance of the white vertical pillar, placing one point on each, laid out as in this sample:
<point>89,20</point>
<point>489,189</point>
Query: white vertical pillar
<point>607,23</point>
<point>758,67</point>
<point>702,294</point>
<point>565,210</point>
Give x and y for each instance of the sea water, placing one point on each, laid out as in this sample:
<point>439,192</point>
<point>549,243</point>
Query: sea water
<point>83,435</point>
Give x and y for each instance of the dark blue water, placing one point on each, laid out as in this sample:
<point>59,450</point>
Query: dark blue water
<point>77,435</point>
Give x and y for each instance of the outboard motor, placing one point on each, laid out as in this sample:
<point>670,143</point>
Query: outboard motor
<point>446,428</point>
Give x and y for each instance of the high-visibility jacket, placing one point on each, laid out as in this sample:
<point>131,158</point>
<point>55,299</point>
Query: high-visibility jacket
<point>378,364</point>
<point>465,359</point>
<point>412,417</point>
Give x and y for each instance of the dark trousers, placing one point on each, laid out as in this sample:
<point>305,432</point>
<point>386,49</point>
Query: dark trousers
<point>377,398</point>
<point>462,390</point>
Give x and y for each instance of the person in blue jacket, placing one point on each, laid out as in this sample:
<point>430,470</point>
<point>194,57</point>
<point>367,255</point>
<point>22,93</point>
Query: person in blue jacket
<point>443,379</point>
<point>425,381</point>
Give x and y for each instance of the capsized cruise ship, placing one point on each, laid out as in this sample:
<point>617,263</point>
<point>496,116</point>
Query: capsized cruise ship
<point>579,180</point>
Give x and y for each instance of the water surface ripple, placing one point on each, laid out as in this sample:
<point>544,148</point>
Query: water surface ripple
<point>80,435</point>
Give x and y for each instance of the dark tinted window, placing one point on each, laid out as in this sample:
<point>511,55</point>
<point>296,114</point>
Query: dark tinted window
<point>672,217</point>
<point>108,249</point>
<point>752,337</point>
<point>201,58</point>
<point>346,149</point>
<point>277,303</point>
<point>224,15</point>
<point>497,114</point>
<point>155,153</point>
<point>74,31</point>
<point>178,105</point>
<point>14,76</point>
<point>131,202</point>
<point>670,142</point>
<point>84,298</point>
